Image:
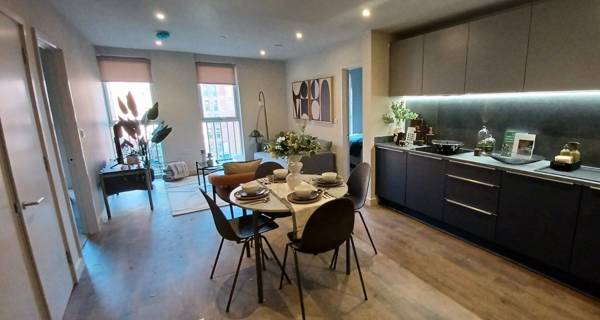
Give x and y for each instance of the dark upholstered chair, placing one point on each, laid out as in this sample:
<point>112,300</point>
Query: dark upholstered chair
<point>327,228</point>
<point>239,230</point>
<point>358,188</point>
<point>266,169</point>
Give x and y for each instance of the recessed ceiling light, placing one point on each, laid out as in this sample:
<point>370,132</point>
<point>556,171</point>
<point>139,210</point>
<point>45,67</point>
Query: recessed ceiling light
<point>299,35</point>
<point>263,52</point>
<point>160,16</point>
<point>366,13</point>
<point>158,42</point>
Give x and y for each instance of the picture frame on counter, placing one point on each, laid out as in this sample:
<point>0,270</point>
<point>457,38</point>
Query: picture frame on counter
<point>523,145</point>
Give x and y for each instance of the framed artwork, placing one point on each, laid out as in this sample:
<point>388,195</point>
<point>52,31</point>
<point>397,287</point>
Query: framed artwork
<point>523,145</point>
<point>312,99</point>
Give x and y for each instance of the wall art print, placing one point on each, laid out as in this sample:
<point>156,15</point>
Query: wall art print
<point>313,99</point>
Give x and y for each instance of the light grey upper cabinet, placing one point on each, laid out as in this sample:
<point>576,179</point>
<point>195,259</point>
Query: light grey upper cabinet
<point>564,47</point>
<point>445,60</point>
<point>498,52</point>
<point>406,67</point>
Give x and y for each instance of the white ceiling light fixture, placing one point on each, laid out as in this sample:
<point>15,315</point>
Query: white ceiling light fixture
<point>299,35</point>
<point>158,42</point>
<point>263,52</point>
<point>366,13</point>
<point>160,16</point>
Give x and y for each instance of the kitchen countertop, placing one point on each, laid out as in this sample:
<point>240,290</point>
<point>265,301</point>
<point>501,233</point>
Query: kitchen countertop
<point>488,162</point>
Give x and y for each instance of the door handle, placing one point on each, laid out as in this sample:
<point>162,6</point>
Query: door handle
<point>25,205</point>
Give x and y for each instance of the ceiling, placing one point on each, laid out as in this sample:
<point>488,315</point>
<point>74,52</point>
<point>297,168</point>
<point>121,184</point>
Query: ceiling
<point>242,28</point>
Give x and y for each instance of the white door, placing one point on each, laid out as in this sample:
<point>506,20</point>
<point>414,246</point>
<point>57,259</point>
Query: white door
<point>28,172</point>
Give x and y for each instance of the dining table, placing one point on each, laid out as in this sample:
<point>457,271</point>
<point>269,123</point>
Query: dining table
<point>277,202</point>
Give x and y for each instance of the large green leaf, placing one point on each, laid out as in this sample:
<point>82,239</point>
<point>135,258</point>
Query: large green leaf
<point>161,134</point>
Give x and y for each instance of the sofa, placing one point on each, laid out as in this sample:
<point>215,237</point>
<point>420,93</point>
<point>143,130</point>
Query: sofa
<point>322,161</point>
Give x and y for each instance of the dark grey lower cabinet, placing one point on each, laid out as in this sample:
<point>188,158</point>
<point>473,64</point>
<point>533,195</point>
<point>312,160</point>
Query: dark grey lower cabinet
<point>585,263</point>
<point>425,177</point>
<point>537,218</point>
<point>390,176</point>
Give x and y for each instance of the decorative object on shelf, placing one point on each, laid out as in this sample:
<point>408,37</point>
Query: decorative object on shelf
<point>256,135</point>
<point>293,146</point>
<point>523,145</point>
<point>313,99</point>
<point>507,144</point>
<point>575,153</point>
<point>131,135</point>
<point>485,141</point>
<point>210,162</point>
<point>569,158</point>
<point>516,160</point>
<point>477,152</point>
<point>397,115</point>
<point>430,136</point>
<point>447,147</point>
<point>262,105</point>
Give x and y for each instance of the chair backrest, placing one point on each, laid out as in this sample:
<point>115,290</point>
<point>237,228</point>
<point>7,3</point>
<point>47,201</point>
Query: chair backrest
<point>223,226</point>
<point>266,168</point>
<point>358,183</point>
<point>328,227</point>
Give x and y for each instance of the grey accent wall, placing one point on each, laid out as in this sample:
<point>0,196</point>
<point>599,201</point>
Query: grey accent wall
<point>556,118</point>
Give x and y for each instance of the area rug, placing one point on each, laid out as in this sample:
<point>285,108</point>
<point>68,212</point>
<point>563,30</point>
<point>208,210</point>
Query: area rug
<point>185,197</point>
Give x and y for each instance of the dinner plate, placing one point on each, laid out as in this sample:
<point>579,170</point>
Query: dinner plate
<point>243,195</point>
<point>322,183</point>
<point>314,197</point>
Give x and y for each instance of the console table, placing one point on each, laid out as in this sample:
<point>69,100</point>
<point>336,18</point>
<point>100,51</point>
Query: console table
<point>119,178</point>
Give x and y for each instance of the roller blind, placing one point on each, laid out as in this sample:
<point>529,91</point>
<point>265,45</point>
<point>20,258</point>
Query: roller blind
<point>119,69</point>
<point>215,73</point>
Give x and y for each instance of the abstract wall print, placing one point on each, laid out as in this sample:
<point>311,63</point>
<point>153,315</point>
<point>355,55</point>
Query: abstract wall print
<point>312,99</point>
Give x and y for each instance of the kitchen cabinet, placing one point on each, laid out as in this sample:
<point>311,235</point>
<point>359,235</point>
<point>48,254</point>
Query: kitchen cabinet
<point>425,184</point>
<point>471,198</point>
<point>586,258</point>
<point>390,174</point>
<point>445,60</point>
<point>564,51</point>
<point>537,217</point>
<point>498,52</point>
<point>406,67</point>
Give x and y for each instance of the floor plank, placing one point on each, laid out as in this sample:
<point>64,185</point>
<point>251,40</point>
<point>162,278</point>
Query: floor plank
<point>150,265</point>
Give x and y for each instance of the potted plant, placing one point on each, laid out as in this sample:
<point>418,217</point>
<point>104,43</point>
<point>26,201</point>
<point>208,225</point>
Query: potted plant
<point>293,145</point>
<point>397,115</point>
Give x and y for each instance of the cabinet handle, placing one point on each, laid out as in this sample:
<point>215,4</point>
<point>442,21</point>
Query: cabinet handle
<point>391,149</point>
<point>472,181</point>
<point>595,188</point>
<point>540,178</point>
<point>39,201</point>
<point>472,165</point>
<point>460,204</point>
<point>424,156</point>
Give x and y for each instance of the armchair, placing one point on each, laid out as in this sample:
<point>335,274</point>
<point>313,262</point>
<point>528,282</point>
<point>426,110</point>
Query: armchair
<point>234,174</point>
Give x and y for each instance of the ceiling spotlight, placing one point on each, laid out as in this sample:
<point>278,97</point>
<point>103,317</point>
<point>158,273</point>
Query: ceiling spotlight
<point>158,42</point>
<point>160,16</point>
<point>299,35</point>
<point>263,53</point>
<point>366,13</point>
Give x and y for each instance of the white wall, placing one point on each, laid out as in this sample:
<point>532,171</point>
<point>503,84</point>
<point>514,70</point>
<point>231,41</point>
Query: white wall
<point>175,88</point>
<point>329,62</point>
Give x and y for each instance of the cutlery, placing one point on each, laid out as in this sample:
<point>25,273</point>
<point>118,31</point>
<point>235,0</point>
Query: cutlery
<point>264,200</point>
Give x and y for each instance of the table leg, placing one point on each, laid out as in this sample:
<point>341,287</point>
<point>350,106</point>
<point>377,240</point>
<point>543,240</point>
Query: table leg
<point>257,255</point>
<point>204,180</point>
<point>149,186</point>
<point>105,199</point>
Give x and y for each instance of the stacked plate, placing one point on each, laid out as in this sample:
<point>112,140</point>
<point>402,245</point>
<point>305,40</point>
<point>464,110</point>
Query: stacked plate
<point>313,197</point>
<point>273,179</point>
<point>329,183</point>
<point>244,196</point>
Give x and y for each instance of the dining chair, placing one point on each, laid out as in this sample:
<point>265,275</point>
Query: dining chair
<point>239,230</point>
<point>358,188</point>
<point>327,228</point>
<point>266,168</point>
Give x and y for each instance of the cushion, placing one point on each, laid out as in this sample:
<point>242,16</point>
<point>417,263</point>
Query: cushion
<point>325,145</point>
<point>241,167</point>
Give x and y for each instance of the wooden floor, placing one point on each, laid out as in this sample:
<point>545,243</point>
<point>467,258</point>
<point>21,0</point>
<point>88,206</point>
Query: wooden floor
<point>149,265</point>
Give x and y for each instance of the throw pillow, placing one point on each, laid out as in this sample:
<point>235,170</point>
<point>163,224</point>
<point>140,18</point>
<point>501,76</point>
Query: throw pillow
<point>325,145</point>
<point>241,167</point>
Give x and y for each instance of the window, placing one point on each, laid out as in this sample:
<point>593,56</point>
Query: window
<point>121,76</point>
<point>219,103</point>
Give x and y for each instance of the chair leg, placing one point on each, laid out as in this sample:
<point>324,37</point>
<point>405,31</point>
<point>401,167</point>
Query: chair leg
<point>287,246</point>
<point>244,212</point>
<point>368,233</point>
<point>334,259</point>
<point>362,282</point>
<point>262,256</point>
<point>217,258</point>
<point>248,250</point>
<point>276,259</point>
<point>231,210</point>
<point>299,282</point>
<point>348,257</point>
<point>237,271</point>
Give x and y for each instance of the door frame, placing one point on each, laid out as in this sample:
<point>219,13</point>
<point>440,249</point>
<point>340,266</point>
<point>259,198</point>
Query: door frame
<point>39,41</point>
<point>40,295</point>
<point>346,118</point>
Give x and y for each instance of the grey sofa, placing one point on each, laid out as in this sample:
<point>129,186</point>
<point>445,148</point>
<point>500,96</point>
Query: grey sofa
<point>323,161</point>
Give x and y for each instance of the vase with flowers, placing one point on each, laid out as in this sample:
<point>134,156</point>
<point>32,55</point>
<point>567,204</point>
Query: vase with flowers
<point>293,145</point>
<point>396,117</point>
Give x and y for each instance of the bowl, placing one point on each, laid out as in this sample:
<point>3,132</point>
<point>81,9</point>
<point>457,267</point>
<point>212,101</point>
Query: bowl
<point>303,190</point>
<point>329,176</point>
<point>251,187</point>
<point>280,173</point>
